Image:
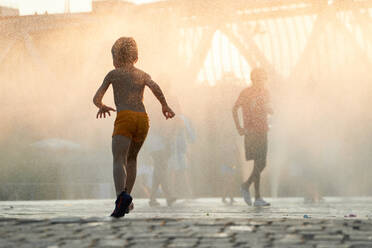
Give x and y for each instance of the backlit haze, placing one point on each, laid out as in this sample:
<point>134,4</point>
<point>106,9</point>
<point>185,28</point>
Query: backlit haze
<point>201,55</point>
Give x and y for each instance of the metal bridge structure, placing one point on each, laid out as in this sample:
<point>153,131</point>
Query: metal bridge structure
<point>289,38</point>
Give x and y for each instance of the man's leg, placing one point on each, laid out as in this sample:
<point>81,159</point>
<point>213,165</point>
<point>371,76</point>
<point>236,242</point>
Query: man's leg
<point>259,165</point>
<point>120,147</point>
<point>253,177</point>
<point>260,162</point>
<point>249,147</point>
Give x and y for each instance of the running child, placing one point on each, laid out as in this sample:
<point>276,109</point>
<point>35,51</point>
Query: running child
<point>131,123</point>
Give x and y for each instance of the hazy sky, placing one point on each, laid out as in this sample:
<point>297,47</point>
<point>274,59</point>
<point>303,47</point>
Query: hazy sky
<point>27,7</point>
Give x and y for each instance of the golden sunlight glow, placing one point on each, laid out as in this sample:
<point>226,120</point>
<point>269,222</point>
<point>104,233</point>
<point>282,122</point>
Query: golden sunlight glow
<point>30,7</point>
<point>223,57</point>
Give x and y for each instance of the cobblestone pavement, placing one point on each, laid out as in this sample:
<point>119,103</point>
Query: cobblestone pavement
<point>203,222</point>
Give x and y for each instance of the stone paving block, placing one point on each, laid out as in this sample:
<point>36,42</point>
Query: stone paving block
<point>329,237</point>
<point>65,220</point>
<point>147,244</point>
<point>173,234</point>
<point>293,246</point>
<point>324,243</point>
<point>361,245</point>
<point>305,228</point>
<point>360,237</point>
<point>272,229</point>
<point>214,235</point>
<point>183,242</point>
<point>111,243</point>
<point>357,232</point>
<point>156,240</point>
<point>73,244</point>
<point>215,245</point>
<point>330,245</point>
<point>290,239</point>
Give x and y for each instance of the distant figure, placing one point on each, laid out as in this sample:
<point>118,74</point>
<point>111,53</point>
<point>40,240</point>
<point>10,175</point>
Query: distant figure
<point>184,134</point>
<point>228,174</point>
<point>132,123</point>
<point>229,167</point>
<point>144,177</point>
<point>254,102</point>
<point>160,154</point>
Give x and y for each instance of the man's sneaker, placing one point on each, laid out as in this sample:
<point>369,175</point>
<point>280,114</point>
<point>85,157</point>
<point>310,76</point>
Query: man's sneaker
<point>170,201</point>
<point>246,195</point>
<point>154,203</point>
<point>121,205</point>
<point>259,202</point>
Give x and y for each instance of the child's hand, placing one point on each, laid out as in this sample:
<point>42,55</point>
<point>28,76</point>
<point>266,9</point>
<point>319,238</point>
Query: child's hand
<point>167,112</point>
<point>103,110</point>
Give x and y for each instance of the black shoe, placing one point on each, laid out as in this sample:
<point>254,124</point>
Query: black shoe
<point>121,205</point>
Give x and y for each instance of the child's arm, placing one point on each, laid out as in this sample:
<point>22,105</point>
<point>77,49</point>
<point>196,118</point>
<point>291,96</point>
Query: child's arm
<point>97,99</point>
<point>154,87</point>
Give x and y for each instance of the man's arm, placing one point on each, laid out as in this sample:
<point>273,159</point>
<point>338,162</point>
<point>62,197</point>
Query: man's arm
<point>237,105</point>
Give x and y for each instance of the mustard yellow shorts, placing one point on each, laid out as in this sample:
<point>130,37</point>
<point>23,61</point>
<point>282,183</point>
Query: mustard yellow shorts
<point>131,124</point>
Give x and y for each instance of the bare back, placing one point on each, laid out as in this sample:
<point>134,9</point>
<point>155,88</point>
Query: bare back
<point>128,85</point>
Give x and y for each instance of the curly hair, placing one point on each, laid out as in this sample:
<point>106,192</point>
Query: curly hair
<point>125,50</point>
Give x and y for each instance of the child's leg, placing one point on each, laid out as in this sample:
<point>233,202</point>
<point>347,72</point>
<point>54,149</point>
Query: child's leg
<point>131,165</point>
<point>120,147</point>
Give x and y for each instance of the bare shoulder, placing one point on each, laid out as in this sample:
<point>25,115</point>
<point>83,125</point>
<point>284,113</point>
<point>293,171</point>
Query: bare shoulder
<point>111,75</point>
<point>143,76</point>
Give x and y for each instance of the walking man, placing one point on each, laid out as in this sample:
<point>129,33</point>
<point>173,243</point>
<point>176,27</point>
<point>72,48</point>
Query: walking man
<point>254,102</point>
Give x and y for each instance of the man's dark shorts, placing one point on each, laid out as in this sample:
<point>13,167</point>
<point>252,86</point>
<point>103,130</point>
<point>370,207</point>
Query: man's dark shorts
<point>255,145</point>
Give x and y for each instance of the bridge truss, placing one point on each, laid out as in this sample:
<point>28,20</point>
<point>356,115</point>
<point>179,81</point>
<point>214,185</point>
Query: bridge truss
<point>283,36</point>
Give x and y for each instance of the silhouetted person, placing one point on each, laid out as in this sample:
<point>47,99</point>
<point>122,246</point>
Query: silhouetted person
<point>131,123</point>
<point>228,176</point>
<point>160,155</point>
<point>254,102</point>
<point>179,167</point>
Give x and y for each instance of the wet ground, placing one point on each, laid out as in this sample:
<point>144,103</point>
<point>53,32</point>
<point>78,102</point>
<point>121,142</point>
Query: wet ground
<point>204,222</point>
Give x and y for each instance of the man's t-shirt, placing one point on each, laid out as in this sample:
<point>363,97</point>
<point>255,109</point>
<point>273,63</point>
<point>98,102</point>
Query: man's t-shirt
<point>255,106</point>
